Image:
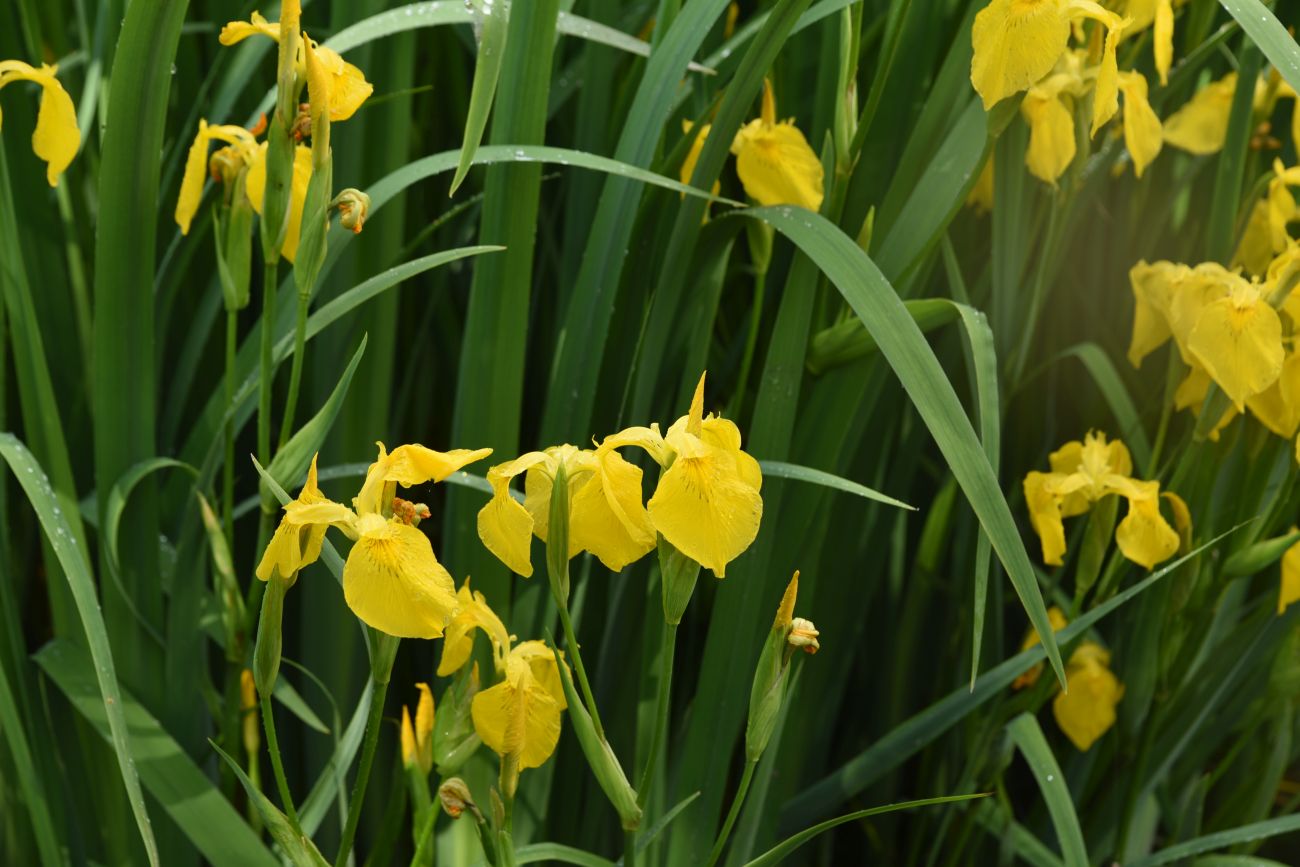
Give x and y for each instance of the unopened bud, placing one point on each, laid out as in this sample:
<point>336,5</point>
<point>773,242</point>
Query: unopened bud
<point>456,799</point>
<point>408,512</point>
<point>354,208</point>
<point>803,635</point>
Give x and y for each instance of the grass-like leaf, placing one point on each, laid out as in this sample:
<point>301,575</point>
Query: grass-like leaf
<point>1028,737</point>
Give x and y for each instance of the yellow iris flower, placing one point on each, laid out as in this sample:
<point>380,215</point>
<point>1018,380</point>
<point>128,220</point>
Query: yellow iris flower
<point>56,137</point>
<point>775,163</point>
<point>1087,710</point>
<point>417,739</point>
<point>606,516</point>
<point>1018,42</point>
<point>348,85</point>
<point>472,614</point>
<point>196,165</point>
<point>707,502</point>
<point>1084,472</point>
<point>391,580</point>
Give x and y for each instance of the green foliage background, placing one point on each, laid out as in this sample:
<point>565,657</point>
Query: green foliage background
<point>611,296</point>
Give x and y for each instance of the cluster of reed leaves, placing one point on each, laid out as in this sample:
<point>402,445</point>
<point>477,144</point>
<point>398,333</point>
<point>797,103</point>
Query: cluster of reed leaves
<point>121,591</point>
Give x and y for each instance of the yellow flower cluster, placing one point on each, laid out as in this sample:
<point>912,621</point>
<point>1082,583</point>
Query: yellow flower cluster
<point>774,161</point>
<point>56,137</point>
<point>1236,333</point>
<point>1024,45</point>
<point>706,502</point>
<point>243,159</point>
<point>1086,710</point>
<point>1082,474</point>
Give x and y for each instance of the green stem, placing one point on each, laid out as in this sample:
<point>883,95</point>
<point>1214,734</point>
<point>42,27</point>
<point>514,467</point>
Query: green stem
<point>373,723</point>
<point>572,642</point>
<point>266,371</point>
<point>629,849</point>
<point>751,341</point>
<point>295,372</point>
<point>228,470</point>
<point>277,764</point>
<point>422,852</point>
<point>736,804</point>
<point>661,711</point>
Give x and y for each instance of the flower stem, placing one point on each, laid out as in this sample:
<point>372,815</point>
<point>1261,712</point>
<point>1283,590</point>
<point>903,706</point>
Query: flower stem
<point>571,640</point>
<point>277,764</point>
<point>373,723</point>
<point>266,371</point>
<point>629,849</point>
<point>295,371</point>
<point>661,711</point>
<point>228,469</point>
<point>736,804</point>
<point>751,340</point>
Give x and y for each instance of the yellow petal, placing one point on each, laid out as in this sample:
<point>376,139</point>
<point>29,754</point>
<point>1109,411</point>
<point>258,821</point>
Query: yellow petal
<point>1087,710</point>
<point>1015,42</point>
<point>504,526</point>
<point>1201,125</point>
<point>1105,98</point>
<point>1151,291</point>
<point>518,717</point>
<point>1143,135</point>
<point>415,464</point>
<point>1278,406</point>
<point>703,506</point>
<point>410,755</point>
<point>777,166</point>
<point>255,185</point>
<point>196,171</point>
<point>1144,536</point>
<point>238,31</point>
<point>724,434</point>
<point>1191,290</point>
<point>1255,250</point>
<point>348,86</point>
<point>1045,515</point>
<point>56,137</point>
<point>471,615</point>
<point>1289,591</point>
<point>1051,136</point>
<point>1163,45</point>
<point>1056,617</point>
<point>608,518</point>
<point>424,727</point>
<point>1238,340</point>
<point>283,554</point>
<point>647,438</point>
<point>319,81</point>
<point>393,582</point>
<point>541,665</point>
<point>693,155</point>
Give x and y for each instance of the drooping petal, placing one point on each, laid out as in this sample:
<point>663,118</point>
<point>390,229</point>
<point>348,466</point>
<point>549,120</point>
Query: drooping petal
<point>541,664</point>
<point>702,505</point>
<point>1151,288</point>
<point>1201,125</point>
<point>518,717</point>
<point>1144,536</point>
<point>1051,136</point>
<point>647,438</point>
<point>608,518</point>
<point>1255,250</point>
<point>196,171</point>
<point>472,614</point>
<point>394,583</point>
<point>1105,98</point>
<point>504,525</point>
<point>414,464</point>
<point>257,25</point>
<point>1015,44</point>
<point>1238,339</point>
<point>56,137</point>
<point>1278,406</point>
<point>1143,135</point>
<point>1087,710</point>
<point>1045,515</point>
<point>777,166</point>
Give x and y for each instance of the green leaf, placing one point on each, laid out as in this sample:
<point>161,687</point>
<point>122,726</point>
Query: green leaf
<point>72,559</point>
<point>1262,26</point>
<point>1108,381</point>
<point>180,787</point>
<point>788,845</point>
<point>29,782</point>
<point>562,854</point>
<point>493,25</point>
<point>782,470</point>
<point>914,362</point>
<point>1221,840</point>
<point>1028,736</point>
<point>115,505</point>
<point>299,850</point>
<point>291,461</point>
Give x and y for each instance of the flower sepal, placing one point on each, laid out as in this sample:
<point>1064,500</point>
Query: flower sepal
<point>677,574</point>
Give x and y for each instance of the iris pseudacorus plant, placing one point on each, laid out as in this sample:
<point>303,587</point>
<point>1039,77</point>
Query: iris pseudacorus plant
<point>391,579</point>
<point>56,137</point>
<point>1082,473</point>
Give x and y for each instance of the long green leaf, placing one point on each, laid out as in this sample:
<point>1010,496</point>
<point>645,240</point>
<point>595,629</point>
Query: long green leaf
<point>914,362</point>
<point>183,790</point>
<point>782,470</point>
<point>1262,26</point>
<point>72,559</point>
<point>1221,840</point>
<point>29,782</point>
<point>493,27</point>
<point>1027,735</point>
<point>559,853</point>
<point>300,850</point>
<point>785,847</point>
